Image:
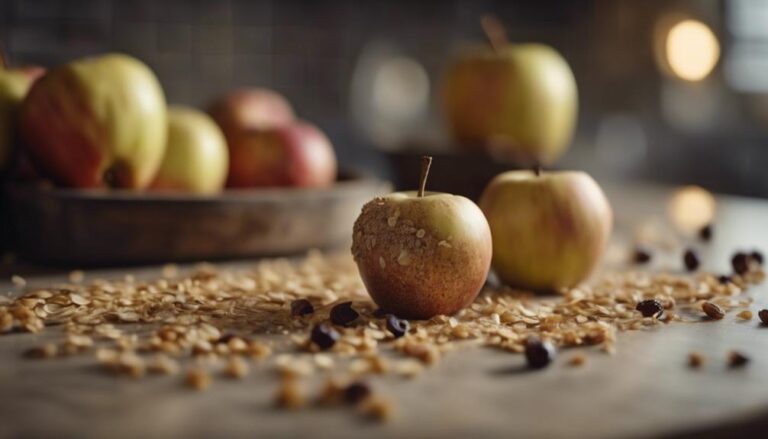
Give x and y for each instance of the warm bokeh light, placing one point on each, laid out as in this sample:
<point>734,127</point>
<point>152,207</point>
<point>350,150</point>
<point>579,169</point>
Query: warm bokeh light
<point>691,208</point>
<point>692,50</point>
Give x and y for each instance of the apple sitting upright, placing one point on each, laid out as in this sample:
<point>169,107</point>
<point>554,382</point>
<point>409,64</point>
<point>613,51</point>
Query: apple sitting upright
<point>518,101</point>
<point>549,229</point>
<point>96,122</point>
<point>196,158</point>
<point>14,85</point>
<point>268,146</point>
<point>421,254</point>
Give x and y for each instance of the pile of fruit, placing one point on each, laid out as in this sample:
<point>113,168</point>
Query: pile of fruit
<point>104,123</point>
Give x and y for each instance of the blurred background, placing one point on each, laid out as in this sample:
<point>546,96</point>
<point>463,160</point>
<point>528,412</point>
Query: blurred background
<point>669,91</point>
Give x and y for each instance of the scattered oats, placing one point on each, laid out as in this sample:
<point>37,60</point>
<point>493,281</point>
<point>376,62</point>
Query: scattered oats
<point>18,281</point>
<point>197,378</point>
<point>377,408</point>
<point>420,233</point>
<point>170,271</point>
<point>745,315</point>
<point>76,276</point>
<point>323,361</point>
<point>236,368</point>
<point>382,262</point>
<point>577,360</point>
<point>290,395</point>
<point>444,243</point>
<point>427,354</point>
<point>47,350</point>
<point>198,313</point>
<point>332,392</point>
<point>163,365</point>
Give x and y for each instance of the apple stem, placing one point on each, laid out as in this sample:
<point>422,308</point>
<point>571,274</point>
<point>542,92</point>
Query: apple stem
<point>494,31</point>
<point>426,162</point>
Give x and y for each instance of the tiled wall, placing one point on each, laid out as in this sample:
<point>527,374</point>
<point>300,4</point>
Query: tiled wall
<point>308,49</point>
<point>304,49</point>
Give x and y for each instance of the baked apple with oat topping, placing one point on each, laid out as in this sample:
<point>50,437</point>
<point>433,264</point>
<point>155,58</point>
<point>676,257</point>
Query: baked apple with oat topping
<point>421,254</point>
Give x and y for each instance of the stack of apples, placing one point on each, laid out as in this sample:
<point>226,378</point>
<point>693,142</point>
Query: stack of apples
<point>103,122</point>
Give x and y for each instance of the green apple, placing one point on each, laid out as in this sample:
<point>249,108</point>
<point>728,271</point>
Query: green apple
<point>421,254</point>
<point>549,229</point>
<point>14,85</point>
<point>96,122</point>
<point>516,100</point>
<point>196,157</point>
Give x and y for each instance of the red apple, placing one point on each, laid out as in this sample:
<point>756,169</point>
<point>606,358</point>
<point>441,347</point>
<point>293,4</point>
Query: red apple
<point>96,122</point>
<point>250,109</point>
<point>421,254</point>
<point>298,154</point>
<point>14,85</point>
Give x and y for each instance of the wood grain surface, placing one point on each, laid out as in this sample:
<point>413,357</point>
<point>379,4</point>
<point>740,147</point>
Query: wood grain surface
<point>644,390</point>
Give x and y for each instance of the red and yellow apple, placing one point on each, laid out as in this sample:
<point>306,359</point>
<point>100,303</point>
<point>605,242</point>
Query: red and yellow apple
<point>251,109</point>
<point>298,154</point>
<point>14,85</point>
<point>196,158</point>
<point>516,100</point>
<point>96,122</point>
<point>268,146</point>
<point>422,254</point>
<point>549,229</point>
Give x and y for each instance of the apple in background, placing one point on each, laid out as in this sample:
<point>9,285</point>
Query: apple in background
<point>517,101</point>
<point>96,122</point>
<point>196,158</point>
<point>250,109</point>
<point>268,146</point>
<point>549,229</point>
<point>14,85</point>
<point>298,154</point>
<point>421,254</point>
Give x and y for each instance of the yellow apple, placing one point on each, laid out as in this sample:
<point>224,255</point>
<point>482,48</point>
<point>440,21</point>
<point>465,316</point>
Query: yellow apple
<point>421,254</point>
<point>96,122</point>
<point>14,85</point>
<point>516,100</point>
<point>549,230</point>
<point>196,157</point>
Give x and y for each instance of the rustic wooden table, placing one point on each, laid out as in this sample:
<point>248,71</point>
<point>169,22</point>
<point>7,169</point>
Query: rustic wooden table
<point>645,389</point>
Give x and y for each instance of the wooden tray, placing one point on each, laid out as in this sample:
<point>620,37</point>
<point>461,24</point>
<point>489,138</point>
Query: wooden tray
<point>98,228</point>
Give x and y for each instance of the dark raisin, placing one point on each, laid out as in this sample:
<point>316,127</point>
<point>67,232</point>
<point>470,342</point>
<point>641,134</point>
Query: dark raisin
<point>343,314</point>
<point>398,327</point>
<point>641,256</point>
<point>539,354</point>
<point>724,279</point>
<point>763,314</point>
<point>757,256</point>
<point>324,336</point>
<point>379,313</point>
<point>740,263</point>
<point>650,308</point>
<point>301,307</point>
<point>356,392</point>
<point>705,233</point>
<point>713,311</point>
<point>737,359</point>
<point>691,260</point>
